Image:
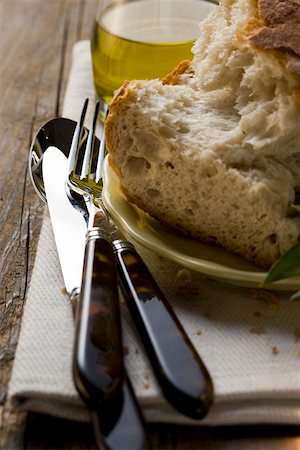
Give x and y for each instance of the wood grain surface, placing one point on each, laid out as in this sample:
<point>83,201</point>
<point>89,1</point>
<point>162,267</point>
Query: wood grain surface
<point>35,47</point>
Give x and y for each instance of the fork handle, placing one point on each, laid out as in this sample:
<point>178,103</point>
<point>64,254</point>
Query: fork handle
<point>181,373</point>
<point>98,366</point>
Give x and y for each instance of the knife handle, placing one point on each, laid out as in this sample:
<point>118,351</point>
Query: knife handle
<point>181,373</point>
<point>98,366</point>
<point>120,424</point>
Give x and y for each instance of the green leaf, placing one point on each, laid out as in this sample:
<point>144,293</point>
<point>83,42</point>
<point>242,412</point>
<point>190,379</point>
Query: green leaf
<point>288,265</point>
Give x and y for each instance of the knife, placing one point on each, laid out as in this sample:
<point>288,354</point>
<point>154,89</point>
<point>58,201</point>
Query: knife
<point>103,384</point>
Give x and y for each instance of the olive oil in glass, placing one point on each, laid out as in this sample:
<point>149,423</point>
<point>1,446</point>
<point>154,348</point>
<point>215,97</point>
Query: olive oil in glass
<point>142,39</point>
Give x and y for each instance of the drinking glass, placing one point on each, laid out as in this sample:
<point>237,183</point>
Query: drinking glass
<point>142,39</point>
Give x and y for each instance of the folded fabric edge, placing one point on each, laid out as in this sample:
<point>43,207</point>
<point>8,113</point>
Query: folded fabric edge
<point>56,407</point>
<point>226,414</point>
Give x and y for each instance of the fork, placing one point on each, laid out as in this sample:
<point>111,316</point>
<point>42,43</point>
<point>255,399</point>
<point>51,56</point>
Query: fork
<point>98,366</point>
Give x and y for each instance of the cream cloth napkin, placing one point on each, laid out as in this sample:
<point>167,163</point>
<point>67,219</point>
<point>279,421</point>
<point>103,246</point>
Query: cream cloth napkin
<point>249,339</point>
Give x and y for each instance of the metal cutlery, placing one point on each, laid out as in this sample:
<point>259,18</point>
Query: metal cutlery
<point>181,373</point>
<point>178,368</point>
<point>98,364</point>
<point>99,373</point>
<point>98,357</point>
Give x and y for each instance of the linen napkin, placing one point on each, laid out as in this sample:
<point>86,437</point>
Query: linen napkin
<point>248,338</point>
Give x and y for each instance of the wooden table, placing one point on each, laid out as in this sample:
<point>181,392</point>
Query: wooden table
<point>35,47</point>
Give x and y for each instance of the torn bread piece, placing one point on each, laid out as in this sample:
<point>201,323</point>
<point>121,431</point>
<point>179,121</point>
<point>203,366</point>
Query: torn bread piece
<point>213,150</point>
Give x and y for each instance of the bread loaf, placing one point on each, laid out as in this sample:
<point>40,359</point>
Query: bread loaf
<point>213,150</point>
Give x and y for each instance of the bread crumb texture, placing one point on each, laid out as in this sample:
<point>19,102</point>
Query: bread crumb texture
<point>186,285</point>
<point>297,335</point>
<point>268,298</point>
<point>275,350</point>
<point>213,149</point>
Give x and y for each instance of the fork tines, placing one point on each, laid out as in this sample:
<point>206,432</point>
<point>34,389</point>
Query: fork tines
<point>86,165</point>
<point>75,163</point>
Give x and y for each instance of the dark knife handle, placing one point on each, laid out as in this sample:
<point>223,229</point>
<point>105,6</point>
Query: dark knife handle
<point>98,366</point>
<point>120,423</point>
<point>181,373</point>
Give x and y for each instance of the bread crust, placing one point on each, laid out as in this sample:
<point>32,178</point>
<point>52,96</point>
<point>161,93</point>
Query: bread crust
<point>184,67</point>
<point>278,29</point>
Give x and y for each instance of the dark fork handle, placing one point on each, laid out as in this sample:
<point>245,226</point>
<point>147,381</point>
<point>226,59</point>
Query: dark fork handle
<point>181,373</point>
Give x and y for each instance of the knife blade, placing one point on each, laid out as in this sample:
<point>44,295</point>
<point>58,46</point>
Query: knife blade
<point>103,387</point>
<point>69,227</point>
